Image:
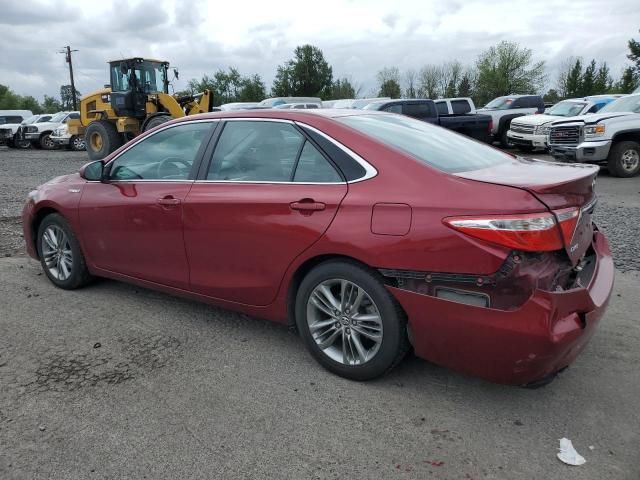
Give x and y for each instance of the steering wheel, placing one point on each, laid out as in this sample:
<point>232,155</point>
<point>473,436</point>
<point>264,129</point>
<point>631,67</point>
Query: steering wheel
<point>165,170</point>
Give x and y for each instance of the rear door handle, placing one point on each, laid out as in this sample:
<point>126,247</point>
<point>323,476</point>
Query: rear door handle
<point>307,206</point>
<point>168,201</point>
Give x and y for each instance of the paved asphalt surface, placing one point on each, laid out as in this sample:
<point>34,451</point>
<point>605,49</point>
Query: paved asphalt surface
<point>115,381</point>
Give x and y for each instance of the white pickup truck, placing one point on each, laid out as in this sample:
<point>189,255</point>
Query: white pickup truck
<point>39,134</point>
<point>9,131</point>
<point>530,132</point>
<point>10,120</point>
<point>610,137</point>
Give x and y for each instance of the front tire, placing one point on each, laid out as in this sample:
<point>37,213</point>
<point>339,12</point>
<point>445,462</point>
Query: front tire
<point>101,138</point>
<point>60,255</point>
<point>504,139</point>
<point>46,143</point>
<point>624,159</point>
<point>349,321</point>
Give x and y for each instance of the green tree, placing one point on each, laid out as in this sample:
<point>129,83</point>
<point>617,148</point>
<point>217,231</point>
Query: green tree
<point>8,99</point>
<point>588,80</point>
<point>634,54</point>
<point>465,87</point>
<point>51,105</point>
<point>574,80</point>
<point>66,97</point>
<point>602,82</point>
<point>552,96</point>
<point>253,89</point>
<point>29,103</point>
<point>389,82</point>
<point>506,69</point>
<point>390,88</point>
<point>306,75</point>
<point>341,88</point>
<point>628,82</point>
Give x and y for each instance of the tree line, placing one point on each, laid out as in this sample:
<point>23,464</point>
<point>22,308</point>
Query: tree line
<point>503,69</point>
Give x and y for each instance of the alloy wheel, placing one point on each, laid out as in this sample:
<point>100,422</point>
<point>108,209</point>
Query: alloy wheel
<point>630,160</point>
<point>78,143</point>
<point>56,251</point>
<point>344,322</point>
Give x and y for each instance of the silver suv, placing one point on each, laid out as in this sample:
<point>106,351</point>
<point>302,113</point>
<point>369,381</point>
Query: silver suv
<point>610,137</point>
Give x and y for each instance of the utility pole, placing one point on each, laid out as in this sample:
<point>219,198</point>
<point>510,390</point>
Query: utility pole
<point>67,51</point>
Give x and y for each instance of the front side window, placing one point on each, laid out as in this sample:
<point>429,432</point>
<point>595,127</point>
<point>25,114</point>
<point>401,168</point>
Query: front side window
<point>431,145</point>
<point>166,155</point>
<point>500,103</point>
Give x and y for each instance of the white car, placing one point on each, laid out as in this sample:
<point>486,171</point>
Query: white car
<point>39,134</point>
<point>10,120</point>
<point>298,106</point>
<point>62,138</point>
<point>9,131</point>
<point>531,131</point>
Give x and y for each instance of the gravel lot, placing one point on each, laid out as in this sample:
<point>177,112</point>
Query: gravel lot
<point>115,381</point>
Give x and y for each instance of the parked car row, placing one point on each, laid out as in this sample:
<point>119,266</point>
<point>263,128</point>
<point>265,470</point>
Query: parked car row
<point>22,129</point>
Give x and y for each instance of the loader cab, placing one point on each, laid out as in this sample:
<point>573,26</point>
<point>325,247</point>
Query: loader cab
<point>132,81</point>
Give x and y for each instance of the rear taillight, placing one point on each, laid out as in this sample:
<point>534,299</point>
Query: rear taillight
<point>532,232</point>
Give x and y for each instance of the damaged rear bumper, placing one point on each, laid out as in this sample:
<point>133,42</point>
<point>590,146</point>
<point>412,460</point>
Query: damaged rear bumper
<point>521,346</point>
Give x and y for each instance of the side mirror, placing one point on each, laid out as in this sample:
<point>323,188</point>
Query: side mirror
<point>93,171</point>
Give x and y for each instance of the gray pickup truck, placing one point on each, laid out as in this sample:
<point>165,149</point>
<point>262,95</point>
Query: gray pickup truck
<point>610,137</point>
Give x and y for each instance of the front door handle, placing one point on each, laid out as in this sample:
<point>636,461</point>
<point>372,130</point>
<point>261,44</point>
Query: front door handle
<point>168,201</point>
<point>307,206</point>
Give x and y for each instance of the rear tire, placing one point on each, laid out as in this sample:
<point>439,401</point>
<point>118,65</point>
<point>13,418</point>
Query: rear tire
<point>60,255</point>
<point>624,159</point>
<point>76,143</point>
<point>369,336</point>
<point>101,139</point>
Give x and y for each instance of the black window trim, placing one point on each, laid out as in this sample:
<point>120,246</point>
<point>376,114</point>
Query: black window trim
<point>195,168</point>
<point>370,171</point>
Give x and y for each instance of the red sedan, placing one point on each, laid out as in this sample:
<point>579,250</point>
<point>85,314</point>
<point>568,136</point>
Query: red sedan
<point>370,232</point>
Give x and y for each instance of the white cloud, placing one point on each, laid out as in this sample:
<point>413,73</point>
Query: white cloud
<point>358,37</point>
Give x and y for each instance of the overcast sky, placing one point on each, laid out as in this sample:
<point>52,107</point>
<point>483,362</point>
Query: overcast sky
<point>357,37</point>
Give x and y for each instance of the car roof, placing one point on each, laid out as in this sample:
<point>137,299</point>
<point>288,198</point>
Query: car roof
<point>281,114</point>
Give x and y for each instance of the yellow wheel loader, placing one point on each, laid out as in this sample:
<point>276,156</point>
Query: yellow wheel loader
<point>137,100</point>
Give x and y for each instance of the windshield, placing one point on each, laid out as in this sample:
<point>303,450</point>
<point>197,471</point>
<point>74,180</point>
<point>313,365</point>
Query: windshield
<point>58,117</point>
<point>630,103</point>
<point>432,145</point>
<point>500,103</point>
<point>30,120</point>
<point>566,109</point>
<point>150,77</point>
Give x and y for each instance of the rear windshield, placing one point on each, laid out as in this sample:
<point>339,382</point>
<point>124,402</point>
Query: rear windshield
<point>432,145</point>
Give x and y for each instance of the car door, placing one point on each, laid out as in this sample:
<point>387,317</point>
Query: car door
<point>269,193</point>
<point>132,222</point>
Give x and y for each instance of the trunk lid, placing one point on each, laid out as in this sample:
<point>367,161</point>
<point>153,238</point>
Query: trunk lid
<point>559,186</point>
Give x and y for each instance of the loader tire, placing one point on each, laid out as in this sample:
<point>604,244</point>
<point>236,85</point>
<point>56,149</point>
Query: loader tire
<point>101,139</point>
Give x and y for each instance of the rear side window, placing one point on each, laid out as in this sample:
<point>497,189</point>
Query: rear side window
<point>419,110</point>
<point>460,106</point>
<point>312,167</point>
<point>521,102</point>
<point>256,151</point>
<point>442,108</point>
<point>431,145</point>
